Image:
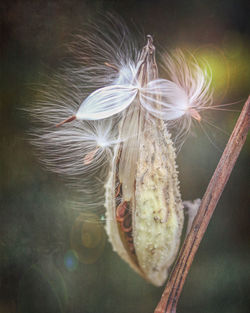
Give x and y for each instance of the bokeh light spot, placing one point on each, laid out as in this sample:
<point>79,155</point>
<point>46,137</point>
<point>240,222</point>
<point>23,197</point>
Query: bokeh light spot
<point>71,260</point>
<point>88,238</point>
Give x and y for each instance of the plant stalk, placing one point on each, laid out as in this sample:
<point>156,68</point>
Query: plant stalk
<point>172,292</point>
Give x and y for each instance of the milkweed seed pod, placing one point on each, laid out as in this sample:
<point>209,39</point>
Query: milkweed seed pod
<point>120,113</point>
<point>144,209</point>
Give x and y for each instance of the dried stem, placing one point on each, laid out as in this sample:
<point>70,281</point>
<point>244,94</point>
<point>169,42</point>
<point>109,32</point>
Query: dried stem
<point>217,184</point>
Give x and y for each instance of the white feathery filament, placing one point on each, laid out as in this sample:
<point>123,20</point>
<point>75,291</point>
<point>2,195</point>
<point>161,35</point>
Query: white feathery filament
<point>99,87</point>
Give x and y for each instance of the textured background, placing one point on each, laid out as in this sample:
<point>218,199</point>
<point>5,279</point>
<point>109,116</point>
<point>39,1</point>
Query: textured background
<point>39,272</point>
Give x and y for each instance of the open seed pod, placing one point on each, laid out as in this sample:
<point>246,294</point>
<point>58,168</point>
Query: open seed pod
<point>144,214</point>
<point>145,230</point>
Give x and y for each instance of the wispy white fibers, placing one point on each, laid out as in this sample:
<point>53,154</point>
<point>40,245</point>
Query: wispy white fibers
<point>104,68</point>
<point>77,149</point>
<point>185,71</point>
<point>187,91</point>
<point>95,89</point>
<point>80,152</point>
<point>183,96</point>
<point>103,54</point>
<point>96,81</point>
<point>164,99</point>
<point>106,101</point>
<point>93,84</point>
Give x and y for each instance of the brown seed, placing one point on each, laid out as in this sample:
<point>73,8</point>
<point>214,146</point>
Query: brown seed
<point>121,211</point>
<point>127,223</point>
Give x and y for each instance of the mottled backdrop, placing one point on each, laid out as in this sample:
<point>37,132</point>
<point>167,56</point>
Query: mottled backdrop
<point>43,265</point>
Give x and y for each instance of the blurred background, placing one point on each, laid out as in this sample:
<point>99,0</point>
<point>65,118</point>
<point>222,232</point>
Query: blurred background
<point>50,259</point>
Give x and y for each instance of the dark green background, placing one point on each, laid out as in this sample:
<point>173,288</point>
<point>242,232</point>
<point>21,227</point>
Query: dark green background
<point>35,223</point>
